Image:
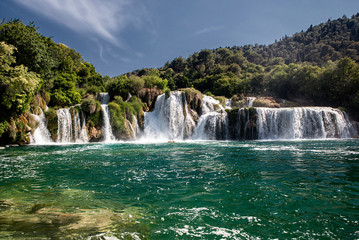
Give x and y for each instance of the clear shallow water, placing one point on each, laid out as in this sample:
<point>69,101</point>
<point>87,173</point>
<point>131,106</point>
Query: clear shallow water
<point>184,190</point>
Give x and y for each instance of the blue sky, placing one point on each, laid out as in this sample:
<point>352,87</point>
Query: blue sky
<point>119,36</point>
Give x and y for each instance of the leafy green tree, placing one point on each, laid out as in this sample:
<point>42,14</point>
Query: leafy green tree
<point>64,92</point>
<point>17,84</point>
<point>31,47</point>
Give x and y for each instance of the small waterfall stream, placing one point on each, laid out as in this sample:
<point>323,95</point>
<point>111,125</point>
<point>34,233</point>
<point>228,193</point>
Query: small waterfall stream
<point>80,134</point>
<point>64,133</point>
<point>41,134</point>
<point>250,101</point>
<point>104,98</point>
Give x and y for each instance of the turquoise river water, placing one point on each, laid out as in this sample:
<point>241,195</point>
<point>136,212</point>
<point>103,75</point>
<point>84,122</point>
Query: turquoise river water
<point>305,189</point>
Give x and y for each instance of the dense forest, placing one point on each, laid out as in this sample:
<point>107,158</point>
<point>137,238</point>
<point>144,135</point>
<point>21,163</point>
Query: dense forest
<point>318,66</point>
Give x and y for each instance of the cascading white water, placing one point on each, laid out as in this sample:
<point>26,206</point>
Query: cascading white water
<point>228,104</point>
<point>70,129</point>
<point>41,134</point>
<point>249,101</point>
<point>213,122</point>
<point>80,134</point>
<point>170,119</point>
<point>108,136</point>
<point>302,123</point>
<point>64,132</point>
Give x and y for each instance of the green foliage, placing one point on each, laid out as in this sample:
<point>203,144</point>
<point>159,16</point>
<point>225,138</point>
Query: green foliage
<point>121,111</point>
<point>152,81</point>
<point>221,99</point>
<point>94,119</point>
<point>17,85</point>
<point>3,127</point>
<point>64,92</point>
<point>90,106</point>
<point>167,92</point>
<point>32,47</point>
<point>116,86</point>
<point>90,80</point>
<point>25,57</point>
<point>117,119</point>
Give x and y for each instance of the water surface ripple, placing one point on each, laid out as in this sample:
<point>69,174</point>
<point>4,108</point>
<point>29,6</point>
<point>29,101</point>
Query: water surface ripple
<point>184,190</point>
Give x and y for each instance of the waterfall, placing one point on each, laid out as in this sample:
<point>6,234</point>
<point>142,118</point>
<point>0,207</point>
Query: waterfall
<point>170,120</point>
<point>212,126</point>
<point>245,125</point>
<point>64,132</point>
<point>41,134</point>
<point>104,98</point>
<point>213,122</point>
<point>302,123</point>
<point>79,129</point>
<point>228,104</point>
<point>70,128</point>
<point>249,101</point>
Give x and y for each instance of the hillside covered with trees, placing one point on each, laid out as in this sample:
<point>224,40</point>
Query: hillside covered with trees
<point>318,66</point>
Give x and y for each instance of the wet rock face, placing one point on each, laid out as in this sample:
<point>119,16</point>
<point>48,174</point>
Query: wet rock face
<point>242,124</point>
<point>194,99</point>
<point>94,133</point>
<point>149,96</point>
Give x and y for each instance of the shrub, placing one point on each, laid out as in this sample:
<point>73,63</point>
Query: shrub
<point>90,106</point>
<point>221,99</point>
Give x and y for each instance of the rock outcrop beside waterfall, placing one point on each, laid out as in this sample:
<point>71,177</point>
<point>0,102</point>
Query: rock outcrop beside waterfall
<point>93,115</point>
<point>149,97</point>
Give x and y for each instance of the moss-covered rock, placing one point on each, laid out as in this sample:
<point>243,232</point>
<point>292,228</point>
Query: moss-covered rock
<point>90,106</point>
<point>38,104</point>
<point>94,125</point>
<point>123,116</point>
<point>238,101</point>
<point>94,133</point>
<point>52,122</point>
<point>242,123</point>
<point>194,98</point>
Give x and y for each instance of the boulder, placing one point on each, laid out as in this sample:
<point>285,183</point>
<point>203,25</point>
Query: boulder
<point>149,97</point>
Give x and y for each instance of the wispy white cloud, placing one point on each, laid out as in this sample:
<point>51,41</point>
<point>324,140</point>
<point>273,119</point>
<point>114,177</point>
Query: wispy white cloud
<point>139,55</point>
<point>103,19</point>
<point>208,29</point>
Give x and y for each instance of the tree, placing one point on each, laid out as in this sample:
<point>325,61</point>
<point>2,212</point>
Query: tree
<point>64,92</point>
<point>17,84</point>
<point>31,47</point>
